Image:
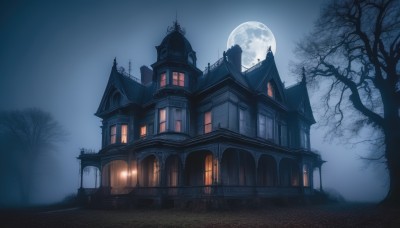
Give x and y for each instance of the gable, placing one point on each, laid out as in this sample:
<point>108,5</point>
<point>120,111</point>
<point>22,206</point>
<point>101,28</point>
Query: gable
<point>298,100</point>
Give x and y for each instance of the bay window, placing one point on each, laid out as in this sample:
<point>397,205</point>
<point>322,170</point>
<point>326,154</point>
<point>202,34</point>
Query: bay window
<point>124,133</point>
<point>178,120</point>
<point>178,79</point>
<point>143,131</point>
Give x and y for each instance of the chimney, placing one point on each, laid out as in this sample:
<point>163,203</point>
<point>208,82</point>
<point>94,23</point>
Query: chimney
<point>234,55</point>
<point>146,75</point>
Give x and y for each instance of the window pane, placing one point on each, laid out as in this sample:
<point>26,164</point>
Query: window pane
<point>143,131</point>
<point>207,122</point>
<point>270,89</point>
<point>241,121</point>
<point>283,135</point>
<point>178,126</point>
<point>162,120</point>
<point>261,127</point>
<point>163,79</point>
<point>181,79</point>
<point>175,78</point>
<point>113,134</point>
<point>124,133</point>
<point>270,128</point>
<point>208,170</point>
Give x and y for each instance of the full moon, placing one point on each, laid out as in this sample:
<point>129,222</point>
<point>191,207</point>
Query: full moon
<point>254,38</point>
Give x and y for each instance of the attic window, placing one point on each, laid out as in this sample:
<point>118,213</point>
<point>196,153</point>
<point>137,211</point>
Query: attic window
<point>270,90</point>
<point>116,99</point>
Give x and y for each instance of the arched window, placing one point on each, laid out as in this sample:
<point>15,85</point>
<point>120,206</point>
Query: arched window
<point>270,90</point>
<point>208,170</point>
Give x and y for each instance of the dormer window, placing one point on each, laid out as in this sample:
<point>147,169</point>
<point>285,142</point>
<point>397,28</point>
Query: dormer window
<point>163,79</point>
<point>178,79</point>
<point>270,90</point>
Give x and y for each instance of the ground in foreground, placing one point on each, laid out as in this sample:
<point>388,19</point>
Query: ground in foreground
<point>329,215</point>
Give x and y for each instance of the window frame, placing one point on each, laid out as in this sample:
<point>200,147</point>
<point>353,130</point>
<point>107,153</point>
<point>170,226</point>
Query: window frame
<point>143,135</point>
<point>207,125</point>
<point>163,79</point>
<point>113,134</point>
<point>124,137</point>
<point>162,122</point>
<point>178,78</point>
<point>178,120</point>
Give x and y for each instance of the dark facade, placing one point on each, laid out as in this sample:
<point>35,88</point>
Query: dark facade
<point>184,134</point>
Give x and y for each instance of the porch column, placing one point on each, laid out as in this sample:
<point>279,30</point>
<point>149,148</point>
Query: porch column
<point>320,179</point>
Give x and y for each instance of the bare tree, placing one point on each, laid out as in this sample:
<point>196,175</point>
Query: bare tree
<point>25,135</point>
<point>354,48</point>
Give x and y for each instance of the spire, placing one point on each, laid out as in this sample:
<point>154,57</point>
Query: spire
<point>115,63</point>
<point>303,76</point>
<point>269,53</point>
<point>176,27</point>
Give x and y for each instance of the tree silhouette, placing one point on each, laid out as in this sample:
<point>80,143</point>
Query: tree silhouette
<point>354,48</point>
<point>25,135</point>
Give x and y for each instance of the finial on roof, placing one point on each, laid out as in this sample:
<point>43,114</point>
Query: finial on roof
<point>269,52</point>
<point>115,63</point>
<point>303,76</point>
<point>176,27</point>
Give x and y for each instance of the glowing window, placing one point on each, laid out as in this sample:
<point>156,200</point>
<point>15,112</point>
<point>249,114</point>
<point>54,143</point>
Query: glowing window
<point>124,133</point>
<point>207,122</point>
<point>162,120</point>
<point>113,134</point>
<point>208,170</point>
<point>178,120</point>
<point>163,79</point>
<point>270,90</point>
<point>143,131</point>
<point>306,181</point>
<point>178,79</point>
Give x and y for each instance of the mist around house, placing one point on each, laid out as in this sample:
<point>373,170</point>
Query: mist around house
<point>57,57</point>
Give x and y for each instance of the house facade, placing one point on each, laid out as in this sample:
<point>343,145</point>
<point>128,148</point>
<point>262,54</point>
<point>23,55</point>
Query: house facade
<point>183,134</point>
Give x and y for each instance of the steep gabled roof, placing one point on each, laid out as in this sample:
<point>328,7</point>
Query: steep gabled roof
<point>261,73</point>
<point>219,71</point>
<point>130,89</point>
<point>298,100</point>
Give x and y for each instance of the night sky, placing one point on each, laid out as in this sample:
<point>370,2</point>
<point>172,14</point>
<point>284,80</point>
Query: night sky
<point>57,55</point>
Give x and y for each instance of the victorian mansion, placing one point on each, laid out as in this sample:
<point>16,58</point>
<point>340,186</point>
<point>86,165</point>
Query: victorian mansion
<point>182,134</point>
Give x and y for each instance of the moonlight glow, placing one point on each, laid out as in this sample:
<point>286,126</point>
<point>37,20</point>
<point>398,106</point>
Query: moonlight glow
<point>254,38</point>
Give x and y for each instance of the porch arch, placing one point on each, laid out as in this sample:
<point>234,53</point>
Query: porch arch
<point>238,168</point>
<point>173,170</point>
<point>267,171</point>
<point>289,172</point>
<point>115,174</point>
<point>150,172</point>
<point>199,168</point>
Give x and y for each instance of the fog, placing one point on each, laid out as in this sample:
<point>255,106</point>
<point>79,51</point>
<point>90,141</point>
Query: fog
<point>58,56</point>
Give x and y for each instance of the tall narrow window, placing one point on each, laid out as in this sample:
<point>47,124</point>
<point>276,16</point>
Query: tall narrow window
<point>143,131</point>
<point>270,128</point>
<point>162,115</point>
<point>261,126</point>
<point>208,170</point>
<point>241,121</point>
<point>207,122</point>
<point>178,79</point>
<point>163,79</point>
<point>283,134</point>
<point>124,133</point>
<point>113,134</point>
<point>270,90</point>
<point>306,181</point>
<point>178,120</point>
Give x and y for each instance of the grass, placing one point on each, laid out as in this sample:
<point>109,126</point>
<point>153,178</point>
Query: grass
<point>329,215</point>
